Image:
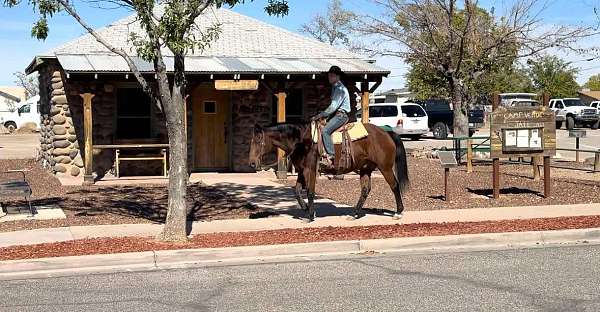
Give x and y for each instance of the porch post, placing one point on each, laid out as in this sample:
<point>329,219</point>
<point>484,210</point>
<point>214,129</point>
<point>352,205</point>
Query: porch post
<point>88,177</point>
<point>364,88</point>
<point>281,161</point>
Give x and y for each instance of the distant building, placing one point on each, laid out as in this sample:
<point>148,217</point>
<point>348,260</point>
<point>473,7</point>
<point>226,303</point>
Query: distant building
<point>10,97</point>
<point>588,96</point>
<point>393,96</point>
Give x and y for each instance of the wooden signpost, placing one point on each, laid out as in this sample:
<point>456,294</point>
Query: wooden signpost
<point>522,132</point>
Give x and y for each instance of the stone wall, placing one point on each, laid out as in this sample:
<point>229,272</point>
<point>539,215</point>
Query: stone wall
<point>247,109</point>
<point>58,136</point>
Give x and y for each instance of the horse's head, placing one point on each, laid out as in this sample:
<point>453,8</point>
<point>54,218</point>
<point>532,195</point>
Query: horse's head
<point>257,146</point>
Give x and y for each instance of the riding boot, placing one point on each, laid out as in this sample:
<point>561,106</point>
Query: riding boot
<point>327,162</point>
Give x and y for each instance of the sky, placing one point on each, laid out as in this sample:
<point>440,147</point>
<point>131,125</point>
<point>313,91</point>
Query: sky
<point>18,48</point>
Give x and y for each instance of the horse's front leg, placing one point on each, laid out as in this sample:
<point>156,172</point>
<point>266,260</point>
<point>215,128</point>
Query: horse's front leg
<point>300,185</point>
<point>311,180</point>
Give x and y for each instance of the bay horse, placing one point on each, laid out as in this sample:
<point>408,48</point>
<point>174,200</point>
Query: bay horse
<point>378,150</point>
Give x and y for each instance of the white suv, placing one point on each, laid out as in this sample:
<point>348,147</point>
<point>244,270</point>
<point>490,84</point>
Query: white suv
<point>573,112</point>
<point>406,119</point>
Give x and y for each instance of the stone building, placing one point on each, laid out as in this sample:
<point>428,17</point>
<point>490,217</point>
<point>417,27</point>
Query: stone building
<point>238,81</point>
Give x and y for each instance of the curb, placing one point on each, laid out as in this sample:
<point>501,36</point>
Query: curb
<point>166,259</point>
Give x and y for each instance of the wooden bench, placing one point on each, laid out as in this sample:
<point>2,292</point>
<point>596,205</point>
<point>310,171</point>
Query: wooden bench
<point>162,156</point>
<point>16,188</point>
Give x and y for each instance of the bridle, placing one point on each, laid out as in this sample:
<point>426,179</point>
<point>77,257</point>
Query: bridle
<point>261,150</point>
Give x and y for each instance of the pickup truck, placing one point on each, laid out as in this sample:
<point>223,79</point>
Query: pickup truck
<point>574,112</point>
<point>26,113</point>
<point>441,117</point>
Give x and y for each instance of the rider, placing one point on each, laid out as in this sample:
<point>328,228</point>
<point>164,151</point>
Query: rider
<point>336,113</point>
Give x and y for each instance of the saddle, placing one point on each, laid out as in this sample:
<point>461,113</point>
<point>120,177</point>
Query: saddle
<point>343,136</point>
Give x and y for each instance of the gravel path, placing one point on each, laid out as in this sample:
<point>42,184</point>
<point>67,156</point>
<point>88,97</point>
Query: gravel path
<point>466,190</point>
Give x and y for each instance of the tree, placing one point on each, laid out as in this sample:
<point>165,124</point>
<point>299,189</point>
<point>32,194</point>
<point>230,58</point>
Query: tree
<point>461,42</point>
<point>167,25</point>
<point>554,76</point>
<point>426,84</point>
<point>333,28</point>
<point>593,83</point>
<point>29,83</point>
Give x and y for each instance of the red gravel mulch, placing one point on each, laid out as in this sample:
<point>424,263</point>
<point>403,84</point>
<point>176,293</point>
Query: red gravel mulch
<point>96,205</point>
<point>467,190</point>
<point>286,236</point>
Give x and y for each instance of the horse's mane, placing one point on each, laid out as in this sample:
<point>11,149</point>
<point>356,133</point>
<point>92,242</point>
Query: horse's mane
<point>297,130</point>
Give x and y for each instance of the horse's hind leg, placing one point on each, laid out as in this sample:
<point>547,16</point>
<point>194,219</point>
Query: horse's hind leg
<point>365,189</point>
<point>390,178</point>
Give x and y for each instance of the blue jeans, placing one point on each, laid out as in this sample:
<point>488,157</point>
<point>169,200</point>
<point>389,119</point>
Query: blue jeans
<point>333,124</point>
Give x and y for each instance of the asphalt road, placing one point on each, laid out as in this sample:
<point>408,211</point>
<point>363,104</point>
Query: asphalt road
<point>543,279</point>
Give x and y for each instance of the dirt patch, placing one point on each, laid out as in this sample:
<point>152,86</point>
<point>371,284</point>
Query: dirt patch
<point>28,127</point>
<point>287,236</point>
<point>95,205</point>
<point>467,190</point>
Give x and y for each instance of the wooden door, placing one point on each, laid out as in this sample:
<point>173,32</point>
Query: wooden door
<point>211,127</point>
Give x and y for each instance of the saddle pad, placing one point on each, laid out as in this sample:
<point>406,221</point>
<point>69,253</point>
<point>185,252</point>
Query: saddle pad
<point>357,131</point>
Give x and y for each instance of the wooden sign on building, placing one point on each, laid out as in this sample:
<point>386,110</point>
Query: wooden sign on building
<point>522,132</point>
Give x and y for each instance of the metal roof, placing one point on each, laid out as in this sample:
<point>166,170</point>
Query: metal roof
<point>244,45</point>
<point>102,63</point>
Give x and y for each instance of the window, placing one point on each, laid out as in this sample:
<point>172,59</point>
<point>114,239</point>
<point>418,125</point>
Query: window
<point>573,102</point>
<point>383,111</point>
<point>294,106</point>
<point>413,111</point>
<point>210,107</point>
<point>134,114</point>
<point>25,109</point>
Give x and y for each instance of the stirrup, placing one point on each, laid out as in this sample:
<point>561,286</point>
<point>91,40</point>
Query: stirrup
<point>326,163</point>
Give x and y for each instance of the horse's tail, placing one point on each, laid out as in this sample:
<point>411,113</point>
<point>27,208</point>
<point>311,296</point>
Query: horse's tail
<point>400,165</point>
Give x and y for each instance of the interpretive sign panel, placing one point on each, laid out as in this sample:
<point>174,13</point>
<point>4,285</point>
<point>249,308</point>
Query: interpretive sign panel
<point>522,131</point>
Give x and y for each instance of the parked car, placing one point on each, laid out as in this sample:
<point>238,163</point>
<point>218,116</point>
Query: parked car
<point>407,119</point>
<point>573,112</point>
<point>441,117</point>
<point>26,113</point>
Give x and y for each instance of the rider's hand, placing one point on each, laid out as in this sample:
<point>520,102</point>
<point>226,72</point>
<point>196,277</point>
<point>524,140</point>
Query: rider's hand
<point>315,118</point>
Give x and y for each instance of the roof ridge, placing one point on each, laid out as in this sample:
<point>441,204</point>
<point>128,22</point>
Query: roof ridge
<point>297,35</point>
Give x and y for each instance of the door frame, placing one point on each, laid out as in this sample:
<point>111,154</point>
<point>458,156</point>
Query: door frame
<point>197,109</point>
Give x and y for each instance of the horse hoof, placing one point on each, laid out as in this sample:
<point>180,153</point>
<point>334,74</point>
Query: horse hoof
<point>306,220</point>
<point>351,218</point>
<point>398,216</point>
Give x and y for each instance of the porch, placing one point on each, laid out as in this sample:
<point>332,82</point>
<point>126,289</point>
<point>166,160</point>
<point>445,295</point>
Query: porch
<point>220,115</point>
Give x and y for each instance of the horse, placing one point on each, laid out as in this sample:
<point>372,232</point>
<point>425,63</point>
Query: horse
<point>378,150</point>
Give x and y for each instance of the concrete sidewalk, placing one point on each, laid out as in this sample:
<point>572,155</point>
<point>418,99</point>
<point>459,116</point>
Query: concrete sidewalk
<point>291,222</point>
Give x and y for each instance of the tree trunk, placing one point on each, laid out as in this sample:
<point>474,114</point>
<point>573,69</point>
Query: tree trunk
<point>175,228</point>
<point>461,112</point>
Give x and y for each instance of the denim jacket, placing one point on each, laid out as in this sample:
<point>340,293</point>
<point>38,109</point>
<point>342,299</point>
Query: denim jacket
<point>340,100</point>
